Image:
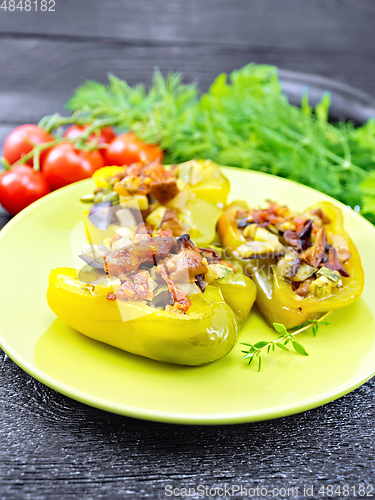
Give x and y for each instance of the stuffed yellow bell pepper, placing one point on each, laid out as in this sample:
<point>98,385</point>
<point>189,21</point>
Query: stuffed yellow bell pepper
<point>182,198</point>
<point>303,264</point>
<point>160,297</point>
<point>153,181</point>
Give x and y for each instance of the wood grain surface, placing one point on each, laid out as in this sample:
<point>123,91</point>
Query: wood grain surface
<point>54,447</point>
<point>45,55</point>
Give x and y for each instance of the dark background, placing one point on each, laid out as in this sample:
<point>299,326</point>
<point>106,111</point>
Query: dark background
<point>53,447</point>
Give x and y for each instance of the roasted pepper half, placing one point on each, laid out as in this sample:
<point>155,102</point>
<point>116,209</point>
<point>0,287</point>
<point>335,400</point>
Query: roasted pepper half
<point>149,182</point>
<point>207,332</point>
<point>302,264</point>
<point>161,297</point>
<point>181,198</point>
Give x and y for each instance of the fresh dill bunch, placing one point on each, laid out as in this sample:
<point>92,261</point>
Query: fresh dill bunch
<point>246,121</point>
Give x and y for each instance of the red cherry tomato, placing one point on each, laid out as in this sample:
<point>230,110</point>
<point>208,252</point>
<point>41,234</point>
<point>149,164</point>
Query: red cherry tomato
<point>63,164</point>
<point>21,186</point>
<point>106,133</point>
<point>126,149</point>
<point>22,140</point>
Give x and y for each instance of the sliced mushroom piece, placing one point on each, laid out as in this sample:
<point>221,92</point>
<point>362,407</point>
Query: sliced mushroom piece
<point>300,239</point>
<point>170,222</point>
<point>200,282</point>
<point>314,255</point>
<point>333,262</point>
<point>344,255</point>
<point>302,289</point>
<point>318,212</point>
<point>342,247</point>
<point>164,190</point>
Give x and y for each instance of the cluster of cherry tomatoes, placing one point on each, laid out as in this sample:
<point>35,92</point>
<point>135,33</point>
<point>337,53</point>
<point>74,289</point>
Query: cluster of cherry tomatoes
<point>61,161</point>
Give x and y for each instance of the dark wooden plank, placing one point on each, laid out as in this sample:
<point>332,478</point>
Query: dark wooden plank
<point>54,447</point>
<point>322,25</point>
<point>63,65</point>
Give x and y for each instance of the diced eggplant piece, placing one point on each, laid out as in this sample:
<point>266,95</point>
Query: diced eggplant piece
<point>333,276</point>
<point>304,272</point>
<point>321,287</point>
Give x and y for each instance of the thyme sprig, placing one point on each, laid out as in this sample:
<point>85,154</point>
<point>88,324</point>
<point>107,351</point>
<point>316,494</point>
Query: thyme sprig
<point>287,337</point>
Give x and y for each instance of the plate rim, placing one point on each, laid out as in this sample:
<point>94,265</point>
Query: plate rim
<point>183,418</point>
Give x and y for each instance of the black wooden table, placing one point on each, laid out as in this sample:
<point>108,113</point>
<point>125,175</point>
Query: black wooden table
<point>54,447</point>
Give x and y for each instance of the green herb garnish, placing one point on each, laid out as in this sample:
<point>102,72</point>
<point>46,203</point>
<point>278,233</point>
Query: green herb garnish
<point>255,350</point>
<point>245,121</point>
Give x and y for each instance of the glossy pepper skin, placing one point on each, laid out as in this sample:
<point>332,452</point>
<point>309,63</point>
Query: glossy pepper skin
<point>205,334</point>
<point>206,180</point>
<point>239,292</point>
<point>275,298</point>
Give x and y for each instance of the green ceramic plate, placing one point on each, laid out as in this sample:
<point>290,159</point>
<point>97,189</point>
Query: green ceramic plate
<point>341,357</point>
